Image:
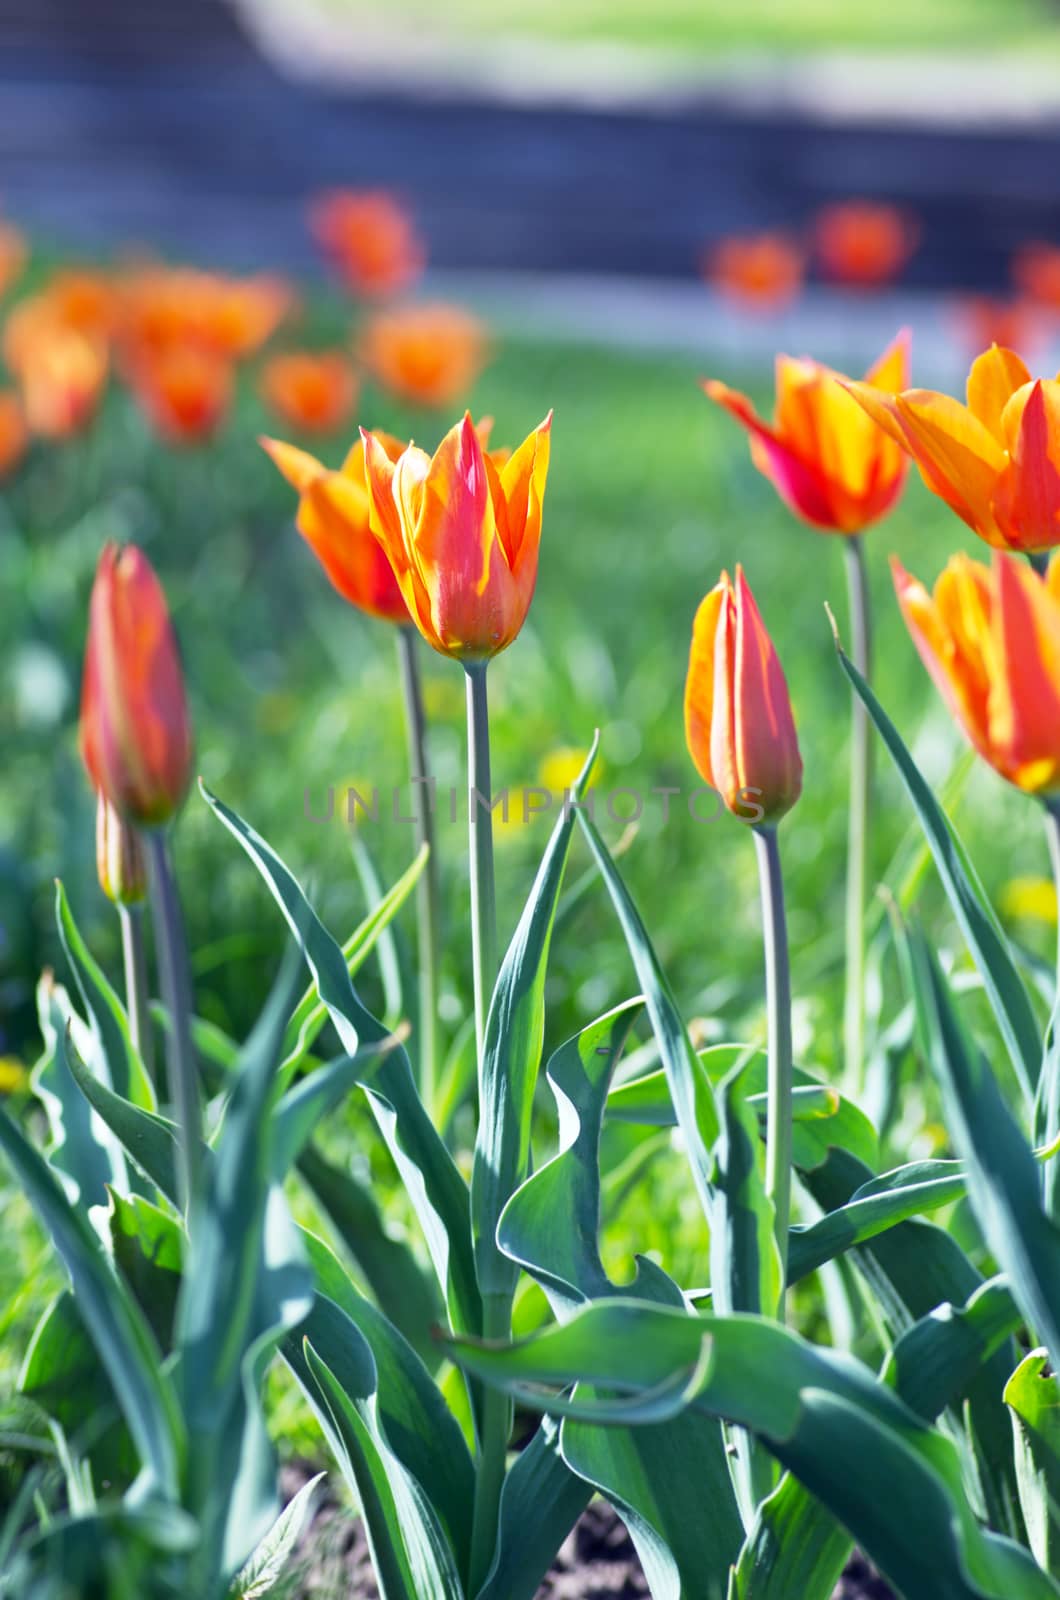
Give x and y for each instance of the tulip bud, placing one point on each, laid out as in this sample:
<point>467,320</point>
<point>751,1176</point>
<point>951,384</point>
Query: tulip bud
<point>135,732</point>
<point>120,860</point>
<point>738,720</point>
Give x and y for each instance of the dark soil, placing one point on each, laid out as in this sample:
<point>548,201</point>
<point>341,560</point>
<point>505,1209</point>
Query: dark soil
<point>597,1561</point>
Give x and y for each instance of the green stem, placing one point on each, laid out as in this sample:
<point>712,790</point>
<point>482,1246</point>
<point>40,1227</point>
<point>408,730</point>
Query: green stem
<point>175,982</point>
<point>778,1012</point>
<point>495,1425</point>
<point>428,890</point>
<point>858,822</point>
<point>480,844</point>
<point>137,1000</point>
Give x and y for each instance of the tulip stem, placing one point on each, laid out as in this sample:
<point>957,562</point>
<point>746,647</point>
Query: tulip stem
<point>495,1427</point>
<point>778,1015</point>
<point>480,841</point>
<point>858,823</point>
<point>175,982</point>
<point>428,890</point>
<point>137,1000</point>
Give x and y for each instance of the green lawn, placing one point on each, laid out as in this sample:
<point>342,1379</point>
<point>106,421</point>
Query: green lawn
<point>650,493</point>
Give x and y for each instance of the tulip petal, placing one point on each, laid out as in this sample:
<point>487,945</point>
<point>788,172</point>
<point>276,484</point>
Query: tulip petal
<point>297,466</point>
<point>959,459</point>
<point>1027,499</point>
<point>768,763</point>
<point>993,380</point>
<point>891,370</point>
<point>699,684</point>
<point>799,484</point>
<point>1025,692</point>
<point>522,481</point>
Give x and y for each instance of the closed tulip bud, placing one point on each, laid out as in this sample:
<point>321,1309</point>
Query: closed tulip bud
<point>135,732</point>
<point>461,530</point>
<point>990,638</point>
<point>120,860</point>
<point>994,461</point>
<point>738,721</point>
<point>826,459</point>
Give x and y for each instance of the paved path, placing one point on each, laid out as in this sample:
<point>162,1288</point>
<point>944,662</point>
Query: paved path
<point>162,123</point>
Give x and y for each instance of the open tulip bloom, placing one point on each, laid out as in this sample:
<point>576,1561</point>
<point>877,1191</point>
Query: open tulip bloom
<point>996,460</point>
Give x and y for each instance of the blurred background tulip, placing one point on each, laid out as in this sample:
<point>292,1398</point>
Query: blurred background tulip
<point>184,392</point>
<point>863,244</point>
<point>762,270</point>
<point>310,391</point>
<point>428,355</point>
<point>370,239</point>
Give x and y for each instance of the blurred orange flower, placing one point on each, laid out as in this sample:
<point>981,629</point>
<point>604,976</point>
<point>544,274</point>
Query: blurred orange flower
<point>14,253</point>
<point>184,392</point>
<point>831,465</point>
<point>983,321</point>
<point>738,721</point>
<point>863,243</point>
<point>994,461</point>
<point>135,730</point>
<point>162,307</point>
<point>370,238</point>
<point>462,535</point>
<point>333,520</point>
<point>1036,271</point>
<point>14,435</point>
<point>61,375</point>
<point>990,638</point>
<point>762,269</point>
<point>427,354</point>
<point>313,391</point>
<point>84,300</point>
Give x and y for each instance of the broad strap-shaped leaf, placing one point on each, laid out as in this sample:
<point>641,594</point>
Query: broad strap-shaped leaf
<point>935,1360</point>
<point>515,1031</point>
<point>148,1248</point>
<point>413,1417</point>
<point>310,1014</point>
<point>541,1501</point>
<point>1033,1396</point>
<point>118,1057</point>
<point>119,1331</point>
<point>410,1555</point>
<point>876,1466</point>
<point>435,1187</point>
<point>80,1147</point>
<point>313,1097</point>
<point>148,1138</point>
<point>1003,1181</point>
<point>1001,980</point>
<point>874,1207</point>
<point>262,1574</point>
<point>690,1089</point>
<point>245,1283</point>
<point>405,1291</point>
<point>745,1267</point>
<point>795,1547</point>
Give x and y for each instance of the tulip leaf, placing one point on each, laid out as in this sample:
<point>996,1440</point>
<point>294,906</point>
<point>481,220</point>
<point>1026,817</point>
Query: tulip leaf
<point>118,1329</point>
<point>934,1361</point>
<point>410,1556</point>
<point>311,1099</point>
<point>541,1501</point>
<point>417,1424</point>
<point>262,1574</point>
<point>310,1014</point>
<point>81,1147</point>
<point>1033,1396</point>
<point>847,1437</point>
<point>435,1187</point>
<point>690,1089</point>
<point>1001,980</point>
<point>515,1029</point>
<point>794,1547</point>
<point>118,1055</point>
<point>149,1139</point>
<point>874,1207</point>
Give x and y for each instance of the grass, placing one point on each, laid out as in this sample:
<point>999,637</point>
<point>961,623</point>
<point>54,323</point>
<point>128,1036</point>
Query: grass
<point>650,493</point>
<point>713,27</point>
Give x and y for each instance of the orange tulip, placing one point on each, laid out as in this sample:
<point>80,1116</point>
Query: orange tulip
<point>990,638</point>
<point>824,457</point>
<point>983,321</point>
<point>428,354</point>
<point>163,307</point>
<point>1036,271</point>
<point>762,269</point>
<point>864,244</point>
<point>996,460</point>
<point>62,379</point>
<point>120,862</point>
<point>184,392</point>
<point>135,732</point>
<point>333,520</point>
<point>83,300</point>
<point>462,533</point>
<point>370,238</point>
<point>312,391</point>
<point>14,435</point>
<point>738,722</point>
<point>13,254</point>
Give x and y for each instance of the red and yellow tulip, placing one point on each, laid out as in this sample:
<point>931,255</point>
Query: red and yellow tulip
<point>312,391</point>
<point>990,638</point>
<point>120,862</point>
<point>996,460</point>
<point>738,721</point>
<point>462,531</point>
<point>824,456</point>
<point>135,730</point>
<point>333,520</point>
